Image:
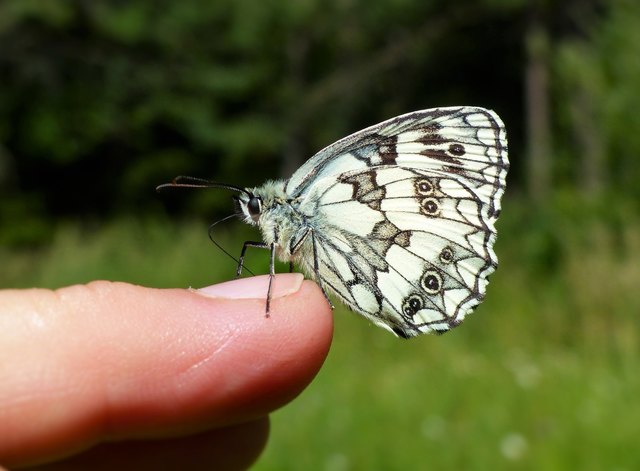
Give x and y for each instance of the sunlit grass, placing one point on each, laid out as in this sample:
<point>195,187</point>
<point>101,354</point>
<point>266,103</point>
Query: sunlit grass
<point>544,375</point>
<point>154,253</point>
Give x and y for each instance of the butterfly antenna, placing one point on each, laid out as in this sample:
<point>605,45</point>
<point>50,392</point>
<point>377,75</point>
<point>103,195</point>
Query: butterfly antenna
<point>220,246</point>
<point>183,181</point>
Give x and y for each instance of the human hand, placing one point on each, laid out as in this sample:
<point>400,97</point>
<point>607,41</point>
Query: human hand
<point>115,376</point>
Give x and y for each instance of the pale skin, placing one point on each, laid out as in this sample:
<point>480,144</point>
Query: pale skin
<point>116,376</point>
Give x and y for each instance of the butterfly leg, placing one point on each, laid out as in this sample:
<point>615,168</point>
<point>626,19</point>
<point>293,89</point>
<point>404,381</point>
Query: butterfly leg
<point>316,269</point>
<point>272,270</point>
<point>248,243</point>
<point>272,274</point>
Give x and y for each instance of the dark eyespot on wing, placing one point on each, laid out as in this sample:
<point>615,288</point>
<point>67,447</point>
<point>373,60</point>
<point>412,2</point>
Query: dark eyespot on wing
<point>457,149</point>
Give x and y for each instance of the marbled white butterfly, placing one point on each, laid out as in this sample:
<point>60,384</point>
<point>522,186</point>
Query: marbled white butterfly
<point>397,220</point>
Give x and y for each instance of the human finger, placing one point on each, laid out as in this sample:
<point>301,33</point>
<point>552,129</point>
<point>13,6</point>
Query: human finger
<point>106,361</point>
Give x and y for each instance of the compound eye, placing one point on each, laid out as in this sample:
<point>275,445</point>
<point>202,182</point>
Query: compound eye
<point>254,206</point>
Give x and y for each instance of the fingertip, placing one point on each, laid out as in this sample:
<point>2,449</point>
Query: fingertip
<point>279,353</point>
<point>307,319</point>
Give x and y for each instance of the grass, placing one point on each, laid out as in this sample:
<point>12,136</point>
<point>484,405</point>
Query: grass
<point>544,375</point>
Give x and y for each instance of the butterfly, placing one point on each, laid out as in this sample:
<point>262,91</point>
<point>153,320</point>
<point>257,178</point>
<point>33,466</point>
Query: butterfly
<point>396,220</point>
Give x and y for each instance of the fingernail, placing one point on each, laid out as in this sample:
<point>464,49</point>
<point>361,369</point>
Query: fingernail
<point>255,287</point>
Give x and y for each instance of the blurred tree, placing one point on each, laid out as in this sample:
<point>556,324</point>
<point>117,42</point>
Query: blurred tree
<point>598,74</point>
<point>537,76</point>
<point>583,95</point>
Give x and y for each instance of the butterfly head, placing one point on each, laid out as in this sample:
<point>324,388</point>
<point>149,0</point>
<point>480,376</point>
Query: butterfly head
<point>248,207</point>
<point>253,203</point>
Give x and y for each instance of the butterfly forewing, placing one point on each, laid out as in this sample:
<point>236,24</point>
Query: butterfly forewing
<point>403,214</point>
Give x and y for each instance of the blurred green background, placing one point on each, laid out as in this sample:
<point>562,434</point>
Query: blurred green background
<point>100,101</point>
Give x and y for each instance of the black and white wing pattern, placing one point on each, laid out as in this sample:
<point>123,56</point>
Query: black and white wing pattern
<point>403,214</point>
